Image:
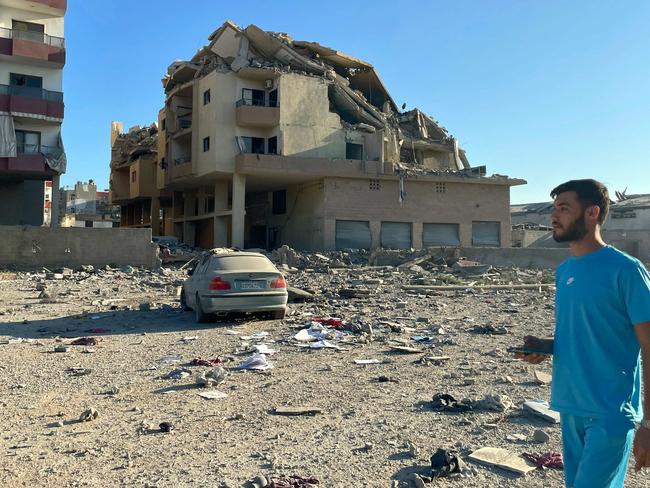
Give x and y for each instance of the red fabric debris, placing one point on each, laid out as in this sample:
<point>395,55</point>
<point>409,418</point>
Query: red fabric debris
<point>84,341</point>
<point>206,362</point>
<point>547,460</point>
<point>295,482</point>
<point>330,321</point>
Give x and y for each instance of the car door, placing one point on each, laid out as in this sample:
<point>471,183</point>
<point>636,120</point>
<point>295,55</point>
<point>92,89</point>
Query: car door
<point>191,284</point>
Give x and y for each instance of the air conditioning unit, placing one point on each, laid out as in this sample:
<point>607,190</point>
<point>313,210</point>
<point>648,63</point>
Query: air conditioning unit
<point>268,84</point>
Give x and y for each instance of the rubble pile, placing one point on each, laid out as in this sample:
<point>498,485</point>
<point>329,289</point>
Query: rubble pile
<point>392,382</point>
<point>134,143</point>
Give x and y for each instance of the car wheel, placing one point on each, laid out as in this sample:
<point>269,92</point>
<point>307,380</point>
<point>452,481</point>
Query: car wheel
<point>278,314</point>
<point>183,300</point>
<point>201,316</point>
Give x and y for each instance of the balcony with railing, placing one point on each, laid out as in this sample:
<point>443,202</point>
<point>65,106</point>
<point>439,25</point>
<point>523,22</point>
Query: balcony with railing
<point>252,112</point>
<point>28,100</point>
<point>31,160</point>
<point>37,46</point>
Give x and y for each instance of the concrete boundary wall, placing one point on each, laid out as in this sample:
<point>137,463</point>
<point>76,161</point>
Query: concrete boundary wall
<point>26,247</point>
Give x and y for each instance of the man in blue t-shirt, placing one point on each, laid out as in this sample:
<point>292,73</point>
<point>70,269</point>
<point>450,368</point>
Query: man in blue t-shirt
<point>602,315</point>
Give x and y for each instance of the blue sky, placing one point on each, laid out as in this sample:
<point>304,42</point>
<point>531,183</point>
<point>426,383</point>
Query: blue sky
<point>541,90</point>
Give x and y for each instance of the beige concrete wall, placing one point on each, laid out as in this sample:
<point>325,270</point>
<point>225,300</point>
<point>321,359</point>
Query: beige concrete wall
<point>302,224</point>
<point>217,121</point>
<point>308,128</point>
<point>462,203</point>
<point>228,43</point>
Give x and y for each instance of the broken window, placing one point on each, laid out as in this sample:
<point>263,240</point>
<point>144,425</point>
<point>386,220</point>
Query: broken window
<point>353,151</point>
<point>279,202</point>
<point>486,234</point>
<point>163,124</point>
<point>16,79</point>
<point>374,185</point>
<point>440,235</point>
<point>206,97</point>
<point>253,97</point>
<point>28,142</point>
<point>206,144</point>
<point>134,176</point>
<point>273,98</point>
<point>254,145</point>
<point>396,235</point>
<point>273,145</point>
<point>352,234</point>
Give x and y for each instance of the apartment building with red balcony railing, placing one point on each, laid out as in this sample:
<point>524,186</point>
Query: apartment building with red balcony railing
<point>32,57</point>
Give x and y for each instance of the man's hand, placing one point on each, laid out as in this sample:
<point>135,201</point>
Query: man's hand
<point>535,344</point>
<point>641,449</point>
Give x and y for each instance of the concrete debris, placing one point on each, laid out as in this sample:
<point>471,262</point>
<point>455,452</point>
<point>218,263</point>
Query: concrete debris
<point>133,144</point>
<point>321,384</point>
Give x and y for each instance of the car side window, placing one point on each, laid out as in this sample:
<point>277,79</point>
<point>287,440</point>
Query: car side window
<point>202,265</point>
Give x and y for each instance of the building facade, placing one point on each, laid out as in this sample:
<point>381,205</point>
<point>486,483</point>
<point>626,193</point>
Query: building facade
<point>84,206</point>
<point>32,56</point>
<point>264,141</point>
<point>133,179</point>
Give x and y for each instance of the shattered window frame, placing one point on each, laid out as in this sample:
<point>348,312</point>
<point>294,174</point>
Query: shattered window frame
<point>206,144</point>
<point>250,143</point>
<point>251,96</point>
<point>206,97</point>
<point>353,149</point>
<point>272,145</point>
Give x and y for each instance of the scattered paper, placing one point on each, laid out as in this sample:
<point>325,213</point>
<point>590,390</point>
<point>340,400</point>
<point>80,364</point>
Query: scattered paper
<point>367,361</point>
<point>264,349</point>
<point>256,362</point>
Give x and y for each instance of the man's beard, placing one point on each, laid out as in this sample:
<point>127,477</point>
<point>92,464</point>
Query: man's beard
<point>574,232</point>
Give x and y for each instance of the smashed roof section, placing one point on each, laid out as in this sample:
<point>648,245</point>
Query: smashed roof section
<point>356,92</point>
<point>136,142</point>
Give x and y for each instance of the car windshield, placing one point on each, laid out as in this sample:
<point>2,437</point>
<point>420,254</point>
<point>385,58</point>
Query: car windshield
<point>248,263</point>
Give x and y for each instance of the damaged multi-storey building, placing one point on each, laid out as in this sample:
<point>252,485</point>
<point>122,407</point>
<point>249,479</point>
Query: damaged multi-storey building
<point>134,184</point>
<point>265,140</point>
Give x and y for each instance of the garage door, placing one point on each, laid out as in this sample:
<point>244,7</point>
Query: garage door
<point>486,234</point>
<point>352,234</point>
<point>440,235</point>
<point>396,235</point>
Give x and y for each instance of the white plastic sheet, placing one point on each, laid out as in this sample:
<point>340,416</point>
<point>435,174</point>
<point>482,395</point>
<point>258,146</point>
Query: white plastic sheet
<point>7,137</point>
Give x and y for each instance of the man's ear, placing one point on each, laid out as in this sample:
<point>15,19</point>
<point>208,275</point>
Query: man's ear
<point>593,212</point>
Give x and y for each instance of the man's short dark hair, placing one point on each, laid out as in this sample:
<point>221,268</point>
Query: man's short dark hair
<point>590,192</point>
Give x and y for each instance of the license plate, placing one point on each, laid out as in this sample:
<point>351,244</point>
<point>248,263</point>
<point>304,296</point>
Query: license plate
<point>251,285</point>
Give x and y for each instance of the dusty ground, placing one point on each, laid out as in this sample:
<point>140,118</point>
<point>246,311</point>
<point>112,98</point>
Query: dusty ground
<point>359,439</point>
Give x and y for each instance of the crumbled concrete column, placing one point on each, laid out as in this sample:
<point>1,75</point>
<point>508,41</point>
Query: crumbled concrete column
<point>416,235</point>
<point>56,197</point>
<point>375,234</point>
<point>238,209</point>
<point>155,217</point>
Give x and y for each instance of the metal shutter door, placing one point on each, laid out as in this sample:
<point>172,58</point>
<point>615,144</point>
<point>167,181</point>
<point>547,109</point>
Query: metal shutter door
<point>352,234</point>
<point>486,234</point>
<point>440,235</point>
<point>396,235</point>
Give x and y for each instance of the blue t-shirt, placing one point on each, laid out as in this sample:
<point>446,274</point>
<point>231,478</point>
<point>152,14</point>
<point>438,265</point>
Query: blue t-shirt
<point>596,355</point>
